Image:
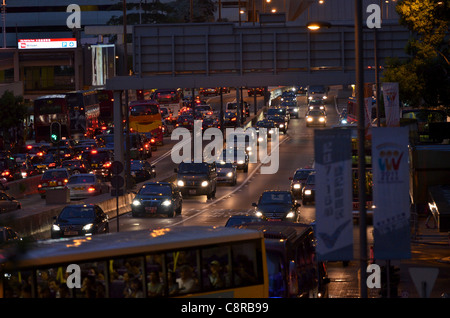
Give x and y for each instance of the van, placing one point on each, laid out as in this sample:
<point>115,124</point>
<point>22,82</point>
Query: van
<point>197,178</point>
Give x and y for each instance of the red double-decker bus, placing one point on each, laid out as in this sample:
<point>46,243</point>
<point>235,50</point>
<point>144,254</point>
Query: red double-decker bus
<point>48,109</point>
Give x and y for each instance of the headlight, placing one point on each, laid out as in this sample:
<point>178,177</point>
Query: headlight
<point>295,109</point>
<point>260,139</point>
<point>136,203</point>
<point>343,121</point>
<point>88,227</point>
<point>271,131</point>
<point>204,183</point>
<point>310,97</point>
<point>166,203</point>
<point>309,119</point>
<point>308,192</point>
<point>229,174</point>
<point>55,227</point>
<point>240,162</point>
<point>249,148</point>
<point>180,183</point>
<point>322,119</point>
<point>324,97</point>
<point>281,125</point>
<point>321,107</point>
<point>297,186</point>
<point>290,215</point>
<point>259,214</point>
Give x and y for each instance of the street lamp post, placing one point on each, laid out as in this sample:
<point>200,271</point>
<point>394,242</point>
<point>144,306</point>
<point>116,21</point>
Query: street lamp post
<point>4,23</point>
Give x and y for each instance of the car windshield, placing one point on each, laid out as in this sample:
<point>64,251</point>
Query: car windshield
<point>136,165</point>
<point>265,124</point>
<point>275,118</point>
<point>193,168</point>
<point>301,174</point>
<point>80,212</point>
<point>224,165</point>
<point>311,179</point>
<point>54,175</point>
<point>81,179</point>
<point>316,113</point>
<point>276,198</point>
<point>155,189</point>
<point>276,111</point>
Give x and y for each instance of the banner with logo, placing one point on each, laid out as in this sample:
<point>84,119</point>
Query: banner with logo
<point>391,217</point>
<point>333,194</point>
<point>391,104</point>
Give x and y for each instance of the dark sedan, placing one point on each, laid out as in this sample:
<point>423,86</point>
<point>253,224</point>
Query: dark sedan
<point>277,205</point>
<point>76,166</point>
<point>157,198</point>
<point>298,181</point>
<point>141,170</point>
<point>80,219</point>
<point>308,191</point>
<point>280,122</point>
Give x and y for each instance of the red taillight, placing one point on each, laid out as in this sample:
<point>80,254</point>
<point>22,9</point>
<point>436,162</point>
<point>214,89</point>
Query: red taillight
<point>52,164</point>
<point>29,147</point>
<point>65,181</point>
<point>91,188</point>
<point>94,152</point>
<point>153,139</point>
<point>107,164</point>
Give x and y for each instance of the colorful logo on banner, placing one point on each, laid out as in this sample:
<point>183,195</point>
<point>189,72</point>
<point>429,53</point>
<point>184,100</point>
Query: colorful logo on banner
<point>391,219</point>
<point>391,104</point>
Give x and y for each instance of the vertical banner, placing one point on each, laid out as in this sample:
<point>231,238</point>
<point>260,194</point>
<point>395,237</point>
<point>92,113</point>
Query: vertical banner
<point>333,195</point>
<point>391,104</point>
<point>391,193</point>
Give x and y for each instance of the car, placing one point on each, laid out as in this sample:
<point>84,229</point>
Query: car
<point>255,91</point>
<point>155,198</point>
<point>209,91</point>
<point>76,166</point>
<point>84,185</point>
<point>230,119</point>
<point>280,122</point>
<point>8,235</point>
<point>197,178</point>
<point>210,122</point>
<point>233,106</point>
<point>278,111</point>
<point>63,152</point>
<point>292,107</point>
<point>236,220</point>
<point>142,170</point>
<point>53,179</point>
<point>80,220</point>
<point>100,160</point>
<point>44,162</point>
<point>298,181</point>
<point>9,169</point>
<point>277,205</point>
<point>226,172</point>
<point>186,121</point>
<point>237,156</point>
<point>270,127</point>
<point>316,117</point>
<point>206,111</point>
<point>316,104</point>
<point>8,203</point>
<point>308,191</point>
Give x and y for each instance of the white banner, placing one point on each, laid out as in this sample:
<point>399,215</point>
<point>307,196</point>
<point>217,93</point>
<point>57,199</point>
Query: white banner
<point>391,217</point>
<point>391,104</point>
<point>333,194</point>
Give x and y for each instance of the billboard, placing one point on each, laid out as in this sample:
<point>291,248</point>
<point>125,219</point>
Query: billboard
<point>333,194</point>
<point>65,43</point>
<point>103,63</point>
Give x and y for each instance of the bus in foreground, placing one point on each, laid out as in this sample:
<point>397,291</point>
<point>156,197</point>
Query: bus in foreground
<point>186,261</point>
<point>145,117</point>
<point>48,109</point>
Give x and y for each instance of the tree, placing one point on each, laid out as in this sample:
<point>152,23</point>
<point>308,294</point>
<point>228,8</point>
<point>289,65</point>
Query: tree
<point>424,78</point>
<point>12,114</point>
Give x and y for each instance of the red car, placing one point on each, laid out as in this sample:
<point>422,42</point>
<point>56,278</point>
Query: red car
<point>53,179</point>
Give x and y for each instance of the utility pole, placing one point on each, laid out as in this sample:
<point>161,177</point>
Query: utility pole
<point>127,122</point>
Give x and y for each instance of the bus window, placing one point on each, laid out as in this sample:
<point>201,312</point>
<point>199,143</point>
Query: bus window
<point>185,271</point>
<point>216,268</point>
<point>126,278</point>
<point>246,271</point>
<point>156,275</point>
<point>277,285</point>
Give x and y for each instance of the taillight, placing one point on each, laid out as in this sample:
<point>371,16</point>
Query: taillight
<point>91,188</point>
<point>66,180</point>
<point>107,164</point>
<point>5,173</point>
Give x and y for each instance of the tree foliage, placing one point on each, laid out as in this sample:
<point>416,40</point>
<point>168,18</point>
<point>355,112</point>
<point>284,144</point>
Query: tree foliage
<point>12,110</point>
<point>424,79</point>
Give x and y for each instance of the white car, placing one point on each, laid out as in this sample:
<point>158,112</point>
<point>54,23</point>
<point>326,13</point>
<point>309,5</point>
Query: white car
<point>85,185</point>
<point>226,172</point>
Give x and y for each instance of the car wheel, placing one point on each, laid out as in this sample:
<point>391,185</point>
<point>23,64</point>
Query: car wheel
<point>180,208</point>
<point>171,214</point>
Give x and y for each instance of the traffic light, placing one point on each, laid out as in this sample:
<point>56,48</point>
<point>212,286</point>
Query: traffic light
<point>55,132</point>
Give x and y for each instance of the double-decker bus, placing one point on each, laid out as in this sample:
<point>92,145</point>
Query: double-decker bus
<point>84,112</point>
<point>185,261</point>
<point>106,101</point>
<point>172,99</point>
<point>48,109</point>
<point>145,117</point>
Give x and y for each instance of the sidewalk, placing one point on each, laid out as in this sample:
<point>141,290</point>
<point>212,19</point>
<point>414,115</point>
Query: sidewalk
<point>429,249</point>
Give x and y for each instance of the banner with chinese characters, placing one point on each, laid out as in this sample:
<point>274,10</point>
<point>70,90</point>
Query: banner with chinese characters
<point>391,104</point>
<point>391,217</point>
<point>333,194</point>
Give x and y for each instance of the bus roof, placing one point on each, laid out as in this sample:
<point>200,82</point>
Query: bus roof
<point>51,96</point>
<point>84,248</point>
<point>279,230</point>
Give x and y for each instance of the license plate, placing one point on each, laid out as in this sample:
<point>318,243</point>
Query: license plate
<point>70,233</point>
<point>78,188</point>
<point>192,191</point>
<point>151,209</point>
<point>52,183</point>
<point>94,165</point>
<point>185,123</point>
